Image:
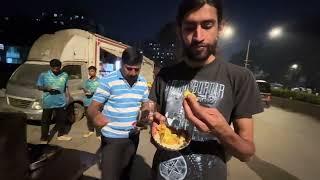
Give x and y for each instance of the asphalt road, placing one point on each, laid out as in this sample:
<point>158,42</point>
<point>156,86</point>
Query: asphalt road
<point>287,148</point>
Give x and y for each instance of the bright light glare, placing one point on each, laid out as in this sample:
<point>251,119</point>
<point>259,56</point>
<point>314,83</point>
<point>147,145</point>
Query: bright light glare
<point>294,66</point>
<point>275,32</point>
<point>227,32</point>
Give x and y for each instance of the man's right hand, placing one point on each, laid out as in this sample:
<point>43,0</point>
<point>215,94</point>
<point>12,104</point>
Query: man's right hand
<point>100,120</point>
<point>156,119</point>
<point>85,91</point>
<point>53,91</point>
<point>95,115</point>
<point>44,89</point>
<point>48,89</point>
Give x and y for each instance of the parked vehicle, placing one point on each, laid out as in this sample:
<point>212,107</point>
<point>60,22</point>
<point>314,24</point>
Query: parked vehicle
<point>265,91</point>
<point>77,50</point>
<point>276,86</point>
<point>302,89</point>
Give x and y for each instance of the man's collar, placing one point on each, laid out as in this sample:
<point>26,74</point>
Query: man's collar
<point>119,74</point>
<point>94,79</point>
<point>51,73</point>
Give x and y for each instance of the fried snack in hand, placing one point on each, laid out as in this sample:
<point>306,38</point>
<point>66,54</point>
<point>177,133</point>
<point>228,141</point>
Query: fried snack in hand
<point>188,93</point>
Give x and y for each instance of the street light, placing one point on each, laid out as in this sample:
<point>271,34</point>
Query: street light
<point>294,66</point>
<point>228,32</point>
<point>275,32</point>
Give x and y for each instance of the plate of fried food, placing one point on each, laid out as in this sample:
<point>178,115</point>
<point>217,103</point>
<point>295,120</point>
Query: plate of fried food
<point>170,138</point>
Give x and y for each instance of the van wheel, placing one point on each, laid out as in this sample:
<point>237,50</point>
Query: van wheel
<point>75,112</point>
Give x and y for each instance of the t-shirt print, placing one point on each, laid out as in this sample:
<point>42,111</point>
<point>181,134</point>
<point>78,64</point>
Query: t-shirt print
<point>228,88</point>
<point>209,94</point>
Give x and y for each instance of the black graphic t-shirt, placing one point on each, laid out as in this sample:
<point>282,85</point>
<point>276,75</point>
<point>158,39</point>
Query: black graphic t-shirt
<point>229,88</point>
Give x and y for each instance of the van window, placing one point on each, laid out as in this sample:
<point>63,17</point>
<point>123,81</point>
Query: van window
<point>74,71</point>
<point>264,87</point>
<point>109,62</point>
<point>28,74</point>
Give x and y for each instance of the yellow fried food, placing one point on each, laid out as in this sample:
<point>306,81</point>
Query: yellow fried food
<point>170,138</point>
<point>187,93</point>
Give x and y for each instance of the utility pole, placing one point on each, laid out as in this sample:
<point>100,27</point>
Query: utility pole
<point>246,61</point>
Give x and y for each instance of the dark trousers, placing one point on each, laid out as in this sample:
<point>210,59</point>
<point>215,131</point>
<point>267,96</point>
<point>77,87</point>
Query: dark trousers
<point>61,122</point>
<point>90,124</point>
<point>118,156</point>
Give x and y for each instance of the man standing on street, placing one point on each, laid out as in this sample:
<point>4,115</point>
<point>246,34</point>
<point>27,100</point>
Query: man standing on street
<point>54,85</point>
<point>89,88</point>
<point>226,94</point>
<point>121,93</point>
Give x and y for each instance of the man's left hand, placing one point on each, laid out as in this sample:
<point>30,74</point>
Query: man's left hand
<point>208,120</point>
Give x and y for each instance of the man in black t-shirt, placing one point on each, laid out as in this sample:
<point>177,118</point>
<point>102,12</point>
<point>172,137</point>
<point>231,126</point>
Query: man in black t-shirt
<point>227,94</point>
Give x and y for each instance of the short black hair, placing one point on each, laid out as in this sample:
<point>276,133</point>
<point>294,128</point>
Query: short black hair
<point>132,56</point>
<point>92,68</point>
<point>55,63</point>
<point>188,6</point>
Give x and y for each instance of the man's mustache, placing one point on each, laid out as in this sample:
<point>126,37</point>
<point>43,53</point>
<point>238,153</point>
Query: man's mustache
<point>198,44</point>
<point>132,77</point>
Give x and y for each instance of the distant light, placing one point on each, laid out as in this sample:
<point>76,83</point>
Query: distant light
<point>1,47</point>
<point>55,15</point>
<point>82,17</point>
<point>275,32</point>
<point>227,32</point>
<point>294,66</point>
<point>9,60</point>
<point>6,18</point>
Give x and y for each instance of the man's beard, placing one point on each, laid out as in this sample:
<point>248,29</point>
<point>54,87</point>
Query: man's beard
<point>200,56</point>
<point>56,73</point>
<point>132,79</point>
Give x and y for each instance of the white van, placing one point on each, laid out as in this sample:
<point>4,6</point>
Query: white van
<point>77,50</point>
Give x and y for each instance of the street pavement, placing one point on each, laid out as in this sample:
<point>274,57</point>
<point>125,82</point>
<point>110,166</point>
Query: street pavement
<point>286,148</point>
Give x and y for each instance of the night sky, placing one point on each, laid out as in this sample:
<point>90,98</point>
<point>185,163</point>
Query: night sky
<point>130,20</point>
<point>141,19</point>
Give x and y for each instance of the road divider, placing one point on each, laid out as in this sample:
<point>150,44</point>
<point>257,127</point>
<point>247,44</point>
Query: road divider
<point>297,106</point>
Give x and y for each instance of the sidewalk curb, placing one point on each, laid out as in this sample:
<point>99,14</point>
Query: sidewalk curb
<point>297,106</point>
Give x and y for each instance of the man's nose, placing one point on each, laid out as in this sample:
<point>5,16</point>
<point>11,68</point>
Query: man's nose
<point>198,34</point>
<point>133,72</point>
